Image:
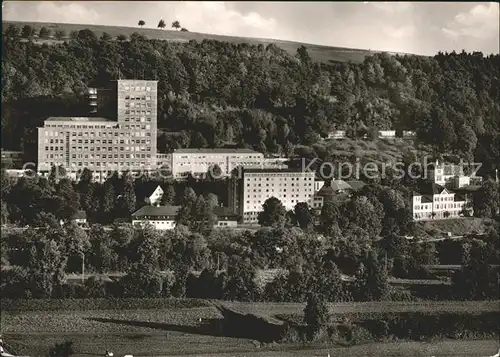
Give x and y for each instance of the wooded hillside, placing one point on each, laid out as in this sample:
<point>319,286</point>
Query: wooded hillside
<point>256,96</point>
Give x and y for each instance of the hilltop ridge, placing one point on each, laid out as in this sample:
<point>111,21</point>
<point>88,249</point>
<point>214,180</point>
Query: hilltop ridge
<point>320,53</point>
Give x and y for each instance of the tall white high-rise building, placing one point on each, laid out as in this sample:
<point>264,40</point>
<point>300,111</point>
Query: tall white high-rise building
<point>124,140</point>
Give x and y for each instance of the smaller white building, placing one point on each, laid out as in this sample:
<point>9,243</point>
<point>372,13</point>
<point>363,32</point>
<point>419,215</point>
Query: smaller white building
<point>80,218</point>
<point>337,134</point>
<point>163,217</point>
<point>450,175</point>
<point>198,161</point>
<point>460,181</point>
<point>409,134</point>
<point>387,134</point>
<point>274,163</point>
<point>155,197</point>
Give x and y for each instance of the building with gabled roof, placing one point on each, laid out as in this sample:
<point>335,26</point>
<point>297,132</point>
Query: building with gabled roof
<point>153,193</point>
<point>433,201</point>
<point>163,217</point>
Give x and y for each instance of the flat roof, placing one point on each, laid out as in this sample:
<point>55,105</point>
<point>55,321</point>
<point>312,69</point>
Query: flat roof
<point>80,119</point>
<point>215,151</point>
<point>276,170</point>
<point>134,80</point>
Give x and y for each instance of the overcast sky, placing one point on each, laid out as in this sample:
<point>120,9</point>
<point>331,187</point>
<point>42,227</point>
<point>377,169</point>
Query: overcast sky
<point>422,28</point>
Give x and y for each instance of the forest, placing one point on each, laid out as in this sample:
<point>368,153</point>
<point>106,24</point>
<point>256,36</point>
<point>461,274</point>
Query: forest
<point>213,93</point>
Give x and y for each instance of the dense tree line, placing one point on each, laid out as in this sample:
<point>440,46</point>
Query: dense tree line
<point>341,268</point>
<point>34,200</point>
<point>264,97</point>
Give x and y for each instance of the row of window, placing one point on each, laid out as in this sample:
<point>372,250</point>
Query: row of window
<point>138,105</point>
<point>142,97</point>
<point>450,198</point>
<point>259,199</point>
<point>106,141</point>
<point>74,126</point>
<point>138,112</point>
<point>303,190</point>
<point>110,156</point>
<point>439,206</point>
<point>138,120</point>
<point>280,178</point>
<point>100,148</point>
<point>281,184</point>
<point>137,89</point>
<point>192,157</point>
<point>116,164</point>
<point>54,156</point>
<point>105,134</point>
<point>99,156</point>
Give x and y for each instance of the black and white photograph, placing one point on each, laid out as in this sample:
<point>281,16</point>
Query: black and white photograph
<point>250,179</point>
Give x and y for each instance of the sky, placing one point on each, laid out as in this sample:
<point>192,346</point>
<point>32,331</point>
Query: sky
<point>413,27</point>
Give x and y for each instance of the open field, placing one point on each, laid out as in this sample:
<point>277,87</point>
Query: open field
<point>481,348</point>
<point>317,52</point>
<point>370,307</point>
<point>150,320</point>
<point>163,346</point>
<point>153,332</point>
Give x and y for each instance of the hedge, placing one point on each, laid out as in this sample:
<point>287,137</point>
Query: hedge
<point>99,304</point>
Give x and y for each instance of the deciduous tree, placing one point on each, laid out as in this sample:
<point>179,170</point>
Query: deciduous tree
<point>273,214</point>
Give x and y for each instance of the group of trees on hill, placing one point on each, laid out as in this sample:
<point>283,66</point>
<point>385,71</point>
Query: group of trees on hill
<point>161,25</point>
<point>268,99</point>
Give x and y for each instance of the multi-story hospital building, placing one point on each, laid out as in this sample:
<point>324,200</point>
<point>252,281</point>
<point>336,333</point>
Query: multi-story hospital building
<point>124,140</point>
<point>249,192</point>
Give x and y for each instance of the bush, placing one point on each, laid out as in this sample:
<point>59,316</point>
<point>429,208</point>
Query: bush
<point>64,349</point>
<point>401,295</point>
<point>99,304</point>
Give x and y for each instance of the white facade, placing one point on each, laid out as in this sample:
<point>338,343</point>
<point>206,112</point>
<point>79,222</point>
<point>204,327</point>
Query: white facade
<point>157,223</point>
<point>461,181</point>
<point>437,206</point>
<point>274,163</point>
<point>226,224</point>
<point>198,161</point>
<point>155,198</point>
<point>163,217</point>
<point>450,174</point>
<point>387,134</point>
<point>408,134</point>
<point>337,134</point>
<point>168,224</point>
<point>288,186</point>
